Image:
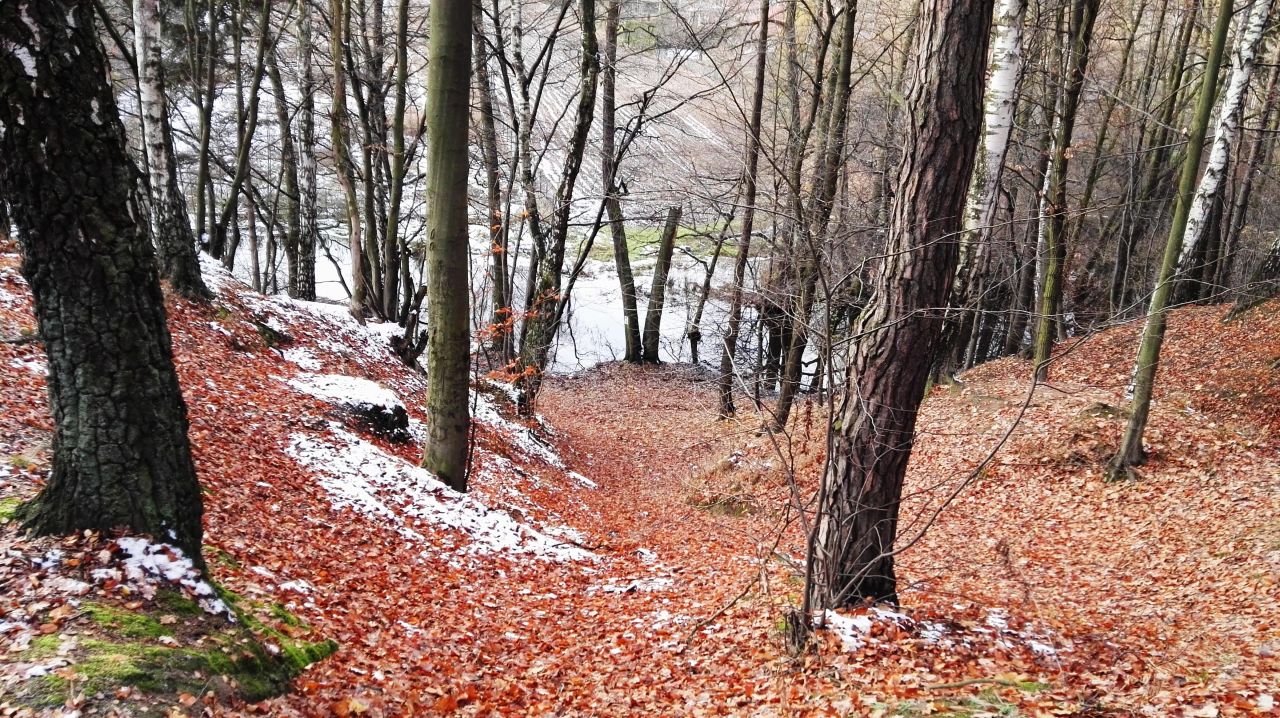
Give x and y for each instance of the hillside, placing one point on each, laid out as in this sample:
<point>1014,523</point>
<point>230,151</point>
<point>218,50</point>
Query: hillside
<point>628,555</point>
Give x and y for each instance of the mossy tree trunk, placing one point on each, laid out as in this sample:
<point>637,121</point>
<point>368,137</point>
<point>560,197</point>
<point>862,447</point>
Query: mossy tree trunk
<point>120,452</point>
<point>448,318</point>
<point>851,551</point>
<point>1131,451</point>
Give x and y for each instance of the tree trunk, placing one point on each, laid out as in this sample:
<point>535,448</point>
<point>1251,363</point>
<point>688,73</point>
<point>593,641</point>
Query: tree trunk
<point>302,282</point>
<point>289,174</point>
<point>815,231</point>
<point>121,457</point>
<point>750,177</point>
<point>1131,451</point>
<point>542,324</point>
<point>1225,136</point>
<point>1258,151</point>
<point>341,14</point>
<point>851,550</point>
<point>449,320</point>
<point>1080,35</point>
<point>488,135</point>
<point>175,244</point>
<point>658,293</point>
<point>621,252</point>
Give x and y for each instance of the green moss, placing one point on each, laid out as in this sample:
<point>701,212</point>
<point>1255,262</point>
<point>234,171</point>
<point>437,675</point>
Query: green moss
<point>41,648</point>
<point>44,692</point>
<point>18,461</point>
<point>175,602</point>
<point>221,556</point>
<point>8,509</point>
<point>125,623</point>
<point>281,614</point>
<point>127,650</point>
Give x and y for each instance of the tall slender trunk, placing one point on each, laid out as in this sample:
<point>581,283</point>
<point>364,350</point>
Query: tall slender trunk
<point>288,172</point>
<point>658,293</point>
<point>1131,451</point>
<point>1258,152</point>
<point>448,321</point>
<point>391,243</point>
<point>1080,36</point>
<point>121,456</point>
<point>498,234</point>
<point>851,547</point>
<point>341,14</point>
<point>175,244</point>
<point>826,177</point>
<point>608,170</point>
<point>302,276</point>
<point>541,327</point>
<point>1226,134</point>
<point>749,178</point>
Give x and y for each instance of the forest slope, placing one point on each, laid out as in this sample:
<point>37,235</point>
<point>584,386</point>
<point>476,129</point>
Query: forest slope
<point>656,586</point>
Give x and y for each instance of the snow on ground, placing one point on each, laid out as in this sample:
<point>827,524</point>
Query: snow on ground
<point>147,564</point>
<point>359,475</point>
<point>346,390</point>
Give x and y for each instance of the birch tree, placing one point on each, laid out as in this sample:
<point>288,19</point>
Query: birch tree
<point>1226,135</point>
<point>175,243</point>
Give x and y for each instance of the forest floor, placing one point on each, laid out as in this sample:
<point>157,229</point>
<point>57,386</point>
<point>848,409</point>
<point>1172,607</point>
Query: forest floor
<point>631,556</point>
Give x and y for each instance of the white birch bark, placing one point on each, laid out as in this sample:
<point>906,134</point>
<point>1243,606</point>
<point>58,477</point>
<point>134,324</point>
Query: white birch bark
<point>175,242</point>
<point>1000,102</point>
<point>1226,129</point>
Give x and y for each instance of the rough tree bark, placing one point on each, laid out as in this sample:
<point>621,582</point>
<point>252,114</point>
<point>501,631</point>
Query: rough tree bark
<point>448,321</point>
<point>175,243</point>
<point>851,550</point>
<point>121,457</point>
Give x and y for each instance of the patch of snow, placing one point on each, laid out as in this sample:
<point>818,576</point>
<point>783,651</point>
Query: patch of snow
<point>35,366</point>
<point>360,476</point>
<point>147,563</point>
<point>655,583</point>
<point>522,437</point>
<point>346,390</point>
<point>302,357</point>
<point>588,483</point>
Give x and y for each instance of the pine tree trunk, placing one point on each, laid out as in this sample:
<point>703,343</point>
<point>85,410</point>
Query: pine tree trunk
<point>175,244</point>
<point>658,292</point>
<point>1131,451</point>
<point>121,457</point>
<point>851,550</point>
<point>448,321</point>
